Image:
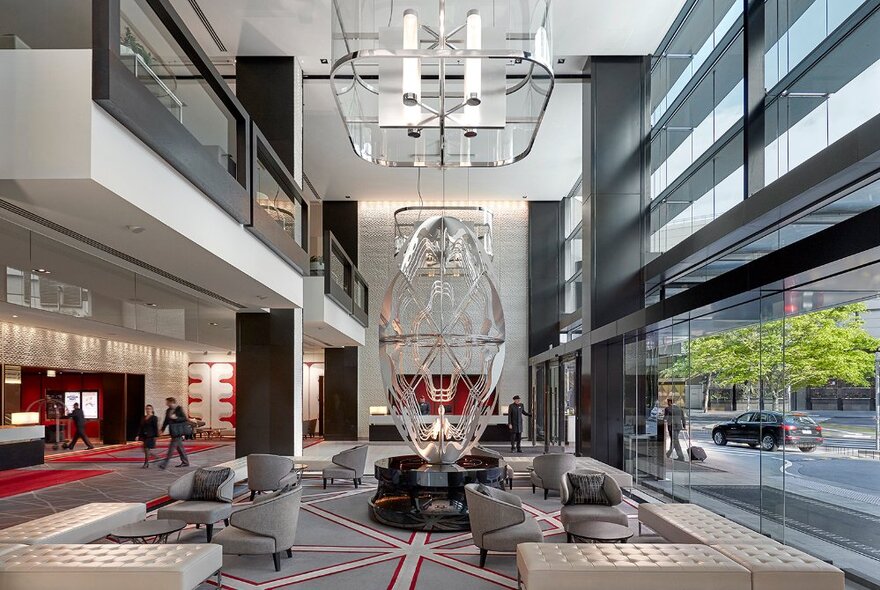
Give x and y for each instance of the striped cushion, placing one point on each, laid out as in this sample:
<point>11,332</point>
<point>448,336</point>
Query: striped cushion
<point>587,488</point>
<point>207,482</point>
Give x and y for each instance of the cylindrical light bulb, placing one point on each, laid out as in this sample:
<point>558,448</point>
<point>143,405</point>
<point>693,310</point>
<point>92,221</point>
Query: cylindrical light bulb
<point>473,67</point>
<point>412,66</point>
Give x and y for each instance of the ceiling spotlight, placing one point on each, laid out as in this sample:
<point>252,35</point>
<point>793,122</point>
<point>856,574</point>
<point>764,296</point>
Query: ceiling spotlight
<point>517,60</point>
<point>152,304</point>
<point>414,132</point>
<point>470,133</point>
<point>14,316</point>
<point>324,61</point>
<point>347,196</point>
<point>228,353</point>
<point>561,60</point>
<point>525,196</point>
<point>135,229</point>
<point>214,324</point>
<point>42,271</point>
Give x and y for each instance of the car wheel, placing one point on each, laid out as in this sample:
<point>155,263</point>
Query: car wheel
<point>807,449</point>
<point>768,443</point>
<point>719,438</point>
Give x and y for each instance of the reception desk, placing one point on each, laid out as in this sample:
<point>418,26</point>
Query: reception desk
<point>382,428</point>
<point>22,446</point>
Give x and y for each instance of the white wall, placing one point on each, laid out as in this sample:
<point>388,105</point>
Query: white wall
<point>165,370</point>
<point>376,252</point>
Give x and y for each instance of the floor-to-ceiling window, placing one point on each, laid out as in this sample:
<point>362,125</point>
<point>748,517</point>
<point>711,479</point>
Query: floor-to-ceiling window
<point>779,387</point>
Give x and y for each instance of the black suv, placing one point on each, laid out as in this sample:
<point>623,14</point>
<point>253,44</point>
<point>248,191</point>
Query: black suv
<point>770,430</point>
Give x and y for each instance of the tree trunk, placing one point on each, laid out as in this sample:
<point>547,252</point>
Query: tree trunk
<point>706,393</point>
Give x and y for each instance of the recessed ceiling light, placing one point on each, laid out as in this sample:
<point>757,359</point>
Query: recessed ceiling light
<point>525,196</point>
<point>214,324</point>
<point>135,229</point>
<point>324,61</point>
<point>152,304</point>
<point>42,271</point>
<point>347,196</point>
<point>14,316</point>
<point>561,60</point>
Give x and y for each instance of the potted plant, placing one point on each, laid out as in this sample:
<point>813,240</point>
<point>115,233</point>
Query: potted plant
<point>316,266</point>
<point>131,41</point>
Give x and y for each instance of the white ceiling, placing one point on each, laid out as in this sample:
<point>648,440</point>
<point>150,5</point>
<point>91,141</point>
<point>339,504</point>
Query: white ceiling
<point>301,28</point>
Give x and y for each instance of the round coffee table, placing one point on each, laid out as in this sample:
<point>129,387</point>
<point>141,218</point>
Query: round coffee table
<point>148,531</point>
<point>595,531</point>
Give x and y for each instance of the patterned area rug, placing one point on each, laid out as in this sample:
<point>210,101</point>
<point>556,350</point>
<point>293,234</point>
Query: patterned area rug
<point>127,453</point>
<point>22,481</point>
<point>340,547</point>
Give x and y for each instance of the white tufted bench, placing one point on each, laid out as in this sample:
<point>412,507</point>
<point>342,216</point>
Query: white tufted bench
<point>689,523</point>
<point>9,547</point>
<point>778,567</point>
<point>128,567</point>
<point>82,524</point>
<point>238,466</point>
<point>548,566</point>
<point>623,479</point>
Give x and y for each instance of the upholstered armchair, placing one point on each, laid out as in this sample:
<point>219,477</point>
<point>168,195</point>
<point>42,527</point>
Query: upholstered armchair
<point>198,505</point>
<point>498,521</point>
<point>267,473</point>
<point>348,464</point>
<point>478,451</point>
<point>572,513</point>
<point>267,526</point>
<point>548,469</point>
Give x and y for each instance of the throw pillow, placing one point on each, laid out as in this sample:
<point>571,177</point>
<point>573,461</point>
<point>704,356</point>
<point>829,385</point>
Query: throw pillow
<point>587,488</point>
<point>207,482</point>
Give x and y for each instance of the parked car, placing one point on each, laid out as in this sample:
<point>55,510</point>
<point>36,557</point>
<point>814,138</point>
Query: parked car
<point>770,430</point>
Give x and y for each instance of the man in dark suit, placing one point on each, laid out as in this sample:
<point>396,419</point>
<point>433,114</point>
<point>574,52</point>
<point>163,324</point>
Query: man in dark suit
<point>515,412</point>
<point>174,415</point>
<point>79,422</point>
<point>675,424</point>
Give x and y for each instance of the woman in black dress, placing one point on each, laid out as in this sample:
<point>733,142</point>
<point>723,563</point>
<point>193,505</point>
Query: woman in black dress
<point>148,433</point>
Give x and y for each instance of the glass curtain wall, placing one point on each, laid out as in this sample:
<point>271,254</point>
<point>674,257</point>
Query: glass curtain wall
<point>572,252</point>
<point>769,385</point>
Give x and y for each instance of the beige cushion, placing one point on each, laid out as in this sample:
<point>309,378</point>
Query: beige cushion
<point>10,547</point>
<point>196,511</point>
<point>623,479</point>
<point>87,567</point>
<point>82,524</point>
<point>572,513</point>
<point>548,566</point>
<point>689,523</point>
<point>779,567</point>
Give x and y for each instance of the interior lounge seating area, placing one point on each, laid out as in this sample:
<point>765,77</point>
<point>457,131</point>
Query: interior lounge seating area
<point>433,294</point>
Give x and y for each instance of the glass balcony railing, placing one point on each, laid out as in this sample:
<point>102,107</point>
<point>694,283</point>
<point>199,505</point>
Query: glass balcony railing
<point>343,283</point>
<point>153,77</point>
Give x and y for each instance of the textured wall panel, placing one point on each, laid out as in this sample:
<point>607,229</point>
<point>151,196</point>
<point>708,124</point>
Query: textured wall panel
<point>165,370</point>
<point>376,239</point>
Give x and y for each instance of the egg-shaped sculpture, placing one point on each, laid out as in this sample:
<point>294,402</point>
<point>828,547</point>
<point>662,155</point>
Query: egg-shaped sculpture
<point>441,339</point>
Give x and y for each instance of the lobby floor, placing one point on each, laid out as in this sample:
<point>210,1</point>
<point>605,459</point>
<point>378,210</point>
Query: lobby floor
<point>338,545</point>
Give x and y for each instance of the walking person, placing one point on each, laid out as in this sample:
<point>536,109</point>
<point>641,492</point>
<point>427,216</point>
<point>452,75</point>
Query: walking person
<point>175,421</point>
<point>515,412</point>
<point>148,433</point>
<point>79,422</point>
<point>675,423</point>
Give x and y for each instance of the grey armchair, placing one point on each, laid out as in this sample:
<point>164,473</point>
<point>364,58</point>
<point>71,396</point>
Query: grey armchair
<point>200,512</point>
<point>266,526</point>
<point>478,451</point>
<point>267,473</point>
<point>548,469</point>
<point>572,513</point>
<point>498,521</point>
<point>348,464</point>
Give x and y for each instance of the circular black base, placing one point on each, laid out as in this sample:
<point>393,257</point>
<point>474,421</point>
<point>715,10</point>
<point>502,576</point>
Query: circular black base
<point>414,494</point>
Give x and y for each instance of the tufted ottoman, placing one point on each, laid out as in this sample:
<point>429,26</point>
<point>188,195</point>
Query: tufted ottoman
<point>7,548</point>
<point>689,523</point>
<point>127,567</point>
<point>548,566</point>
<point>778,567</point>
<point>82,524</point>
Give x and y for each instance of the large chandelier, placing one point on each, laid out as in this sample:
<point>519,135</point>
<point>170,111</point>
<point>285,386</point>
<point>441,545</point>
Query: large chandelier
<point>442,83</point>
<point>441,336</point>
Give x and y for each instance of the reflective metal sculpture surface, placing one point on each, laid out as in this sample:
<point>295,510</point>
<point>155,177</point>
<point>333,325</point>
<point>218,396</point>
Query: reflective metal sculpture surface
<point>441,335</point>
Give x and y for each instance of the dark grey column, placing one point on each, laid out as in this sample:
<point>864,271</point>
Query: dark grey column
<point>268,89</point>
<point>341,364</point>
<point>615,200</point>
<point>754,33</point>
<point>544,275</point>
<point>341,393</point>
<point>266,375</point>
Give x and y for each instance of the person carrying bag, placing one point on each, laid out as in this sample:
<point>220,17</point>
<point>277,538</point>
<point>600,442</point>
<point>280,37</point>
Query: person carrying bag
<point>178,426</point>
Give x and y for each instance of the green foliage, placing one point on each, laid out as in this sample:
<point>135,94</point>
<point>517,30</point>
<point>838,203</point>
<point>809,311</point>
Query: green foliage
<point>801,351</point>
<point>131,41</point>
